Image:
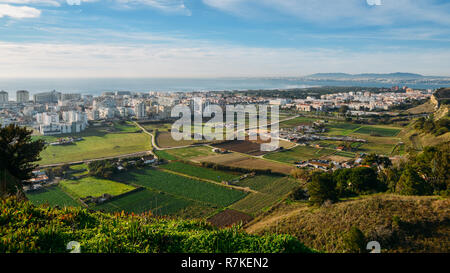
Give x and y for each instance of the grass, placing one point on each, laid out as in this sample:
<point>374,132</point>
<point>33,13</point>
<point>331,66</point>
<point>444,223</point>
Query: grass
<point>95,187</point>
<point>144,201</point>
<point>54,196</point>
<point>183,187</point>
<point>299,153</point>
<point>379,131</point>
<point>191,152</point>
<point>96,144</point>
<point>400,223</point>
<point>199,172</point>
<point>297,121</point>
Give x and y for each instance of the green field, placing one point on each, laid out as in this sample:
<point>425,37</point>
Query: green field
<point>299,153</point>
<point>97,143</point>
<point>191,152</point>
<point>199,172</point>
<point>54,196</point>
<point>381,131</point>
<point>341,128</point>
<point>183,187</point>
<point>95,187</point>
<point>145,200</point>
<point>271,190</point>
<point>297,121</point>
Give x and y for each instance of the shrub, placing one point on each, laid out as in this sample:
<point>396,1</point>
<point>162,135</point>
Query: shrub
<point>355,241</point>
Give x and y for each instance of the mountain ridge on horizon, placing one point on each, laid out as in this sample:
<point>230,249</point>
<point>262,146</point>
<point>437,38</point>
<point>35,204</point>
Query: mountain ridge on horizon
<point>369,75</point>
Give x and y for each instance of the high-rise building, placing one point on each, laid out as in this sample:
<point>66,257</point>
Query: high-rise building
<point>47,97</point>
<point>139,110</point>
<point>4,98</point>
<point>22,96</point>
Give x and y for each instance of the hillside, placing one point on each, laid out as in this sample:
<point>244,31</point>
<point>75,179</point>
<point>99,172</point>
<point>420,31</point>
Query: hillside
<point>28,228</point>
<point>399,223</point>
<point>438,110</point>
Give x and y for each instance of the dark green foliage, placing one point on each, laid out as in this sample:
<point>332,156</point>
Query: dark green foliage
<point>430,126</point>
<point>102,169</point>
<point>354,241</point>
<point>30,229</point>
<point>322,188</point>
<point>18,152</point>
<point>411,183</point>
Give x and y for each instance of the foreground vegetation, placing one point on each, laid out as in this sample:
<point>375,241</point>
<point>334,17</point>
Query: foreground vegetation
<point>27,228</point>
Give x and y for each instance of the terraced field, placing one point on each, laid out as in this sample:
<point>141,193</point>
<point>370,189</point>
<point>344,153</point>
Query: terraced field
<point>144,201</point>
<point>183,187</point>
<point>199,172</point>
<point>271,190</point>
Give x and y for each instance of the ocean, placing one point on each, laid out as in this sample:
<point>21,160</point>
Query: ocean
<point>95,86</point>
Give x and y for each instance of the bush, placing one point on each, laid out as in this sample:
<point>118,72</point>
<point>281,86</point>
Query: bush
<point>30,229</point>
<point>355,241</point>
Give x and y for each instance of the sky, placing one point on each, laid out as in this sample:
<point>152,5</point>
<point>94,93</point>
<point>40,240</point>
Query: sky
<point>221,38</point>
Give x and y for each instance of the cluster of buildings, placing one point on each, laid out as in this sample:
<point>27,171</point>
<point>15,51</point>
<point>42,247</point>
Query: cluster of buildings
<point>53,113</point>
<point>324,165</point>
<point>355,101</point>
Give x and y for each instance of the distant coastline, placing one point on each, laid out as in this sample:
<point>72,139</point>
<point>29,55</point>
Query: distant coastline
<point>97,86</point>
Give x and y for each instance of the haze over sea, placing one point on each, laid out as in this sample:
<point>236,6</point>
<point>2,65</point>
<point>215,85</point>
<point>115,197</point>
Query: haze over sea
<point>96,86</point>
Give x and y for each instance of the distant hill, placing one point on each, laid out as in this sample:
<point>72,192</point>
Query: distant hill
<point>397,75</point>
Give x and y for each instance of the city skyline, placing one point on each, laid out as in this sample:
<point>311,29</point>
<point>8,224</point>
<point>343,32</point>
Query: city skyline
<point>211,38</point>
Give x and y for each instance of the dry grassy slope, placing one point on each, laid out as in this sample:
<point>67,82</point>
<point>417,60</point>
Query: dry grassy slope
<point>427,107</point>
<point>424,225</point>
<point>418,140</point>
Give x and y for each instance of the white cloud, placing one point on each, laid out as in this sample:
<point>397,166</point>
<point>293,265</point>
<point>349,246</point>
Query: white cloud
<point>171,6</point>
<point>18,12</point>
<point>205,60</point>
<point>341,11</point>
<point>33,2</point>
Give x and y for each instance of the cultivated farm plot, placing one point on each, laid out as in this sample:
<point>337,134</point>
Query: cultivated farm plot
<point>200,172</point>
<point>183,187</point>
<point>144,201</point>
<point>165,140</point>
<point>247,162</point>
<point>271,189</point>
<point>53,195</point>
<point>95,187</point>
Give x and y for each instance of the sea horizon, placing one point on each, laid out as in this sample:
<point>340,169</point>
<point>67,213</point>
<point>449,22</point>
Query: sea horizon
<point>95,86</point>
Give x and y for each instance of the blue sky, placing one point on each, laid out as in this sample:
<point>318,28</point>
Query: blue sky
<point>221,38</point>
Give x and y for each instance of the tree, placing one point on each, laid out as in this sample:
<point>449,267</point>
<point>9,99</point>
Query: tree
<point>322,188</point>
<point>411,183</point>
<point>363,180</point>
<point>343,109</point>
<point>379,161</point>
<point>18,153</point>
